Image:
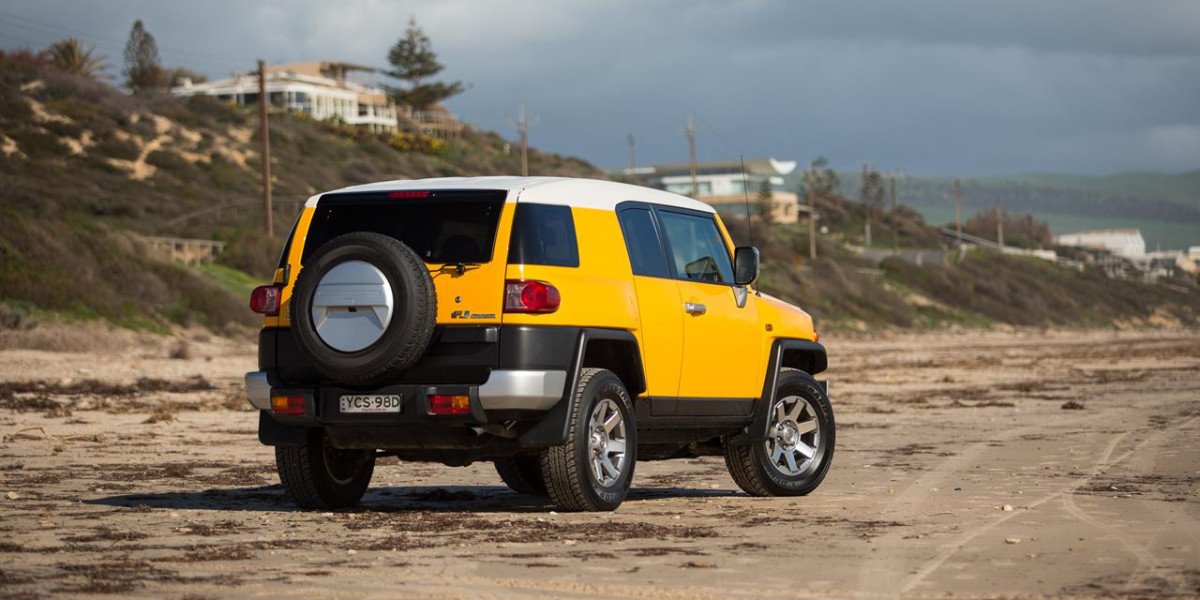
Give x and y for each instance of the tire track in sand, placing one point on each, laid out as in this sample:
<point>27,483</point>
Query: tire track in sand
<point>1105,461</point>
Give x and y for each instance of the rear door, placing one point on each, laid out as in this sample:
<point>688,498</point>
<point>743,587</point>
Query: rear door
<point>457,233</point>
<point>721,340</point>
<point>660,320</point>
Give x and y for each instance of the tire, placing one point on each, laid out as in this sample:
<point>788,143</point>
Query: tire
<point>568,470</point>
<point>522,474</point>
<point>413,312</point>
<point>759,470</point>
<point>318,476</point>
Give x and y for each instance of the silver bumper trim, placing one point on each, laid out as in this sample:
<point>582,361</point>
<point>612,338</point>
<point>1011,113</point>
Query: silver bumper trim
<point>258,390</point>
<point>527,390</point>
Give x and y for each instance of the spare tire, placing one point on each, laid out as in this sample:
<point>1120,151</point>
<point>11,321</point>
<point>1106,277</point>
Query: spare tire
<point>363,308</point>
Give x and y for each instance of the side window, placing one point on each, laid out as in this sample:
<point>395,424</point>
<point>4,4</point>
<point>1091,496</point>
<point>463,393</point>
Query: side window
<point>697,248</point>
<point>543,234</point>
<point>641,240</point>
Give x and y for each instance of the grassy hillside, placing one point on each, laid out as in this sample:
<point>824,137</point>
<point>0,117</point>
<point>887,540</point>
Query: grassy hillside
<point>980,288</point>
<point>86,170</point>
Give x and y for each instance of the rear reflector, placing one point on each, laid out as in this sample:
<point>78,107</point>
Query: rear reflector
<point>287,405</point>
<point>408,194</point>
<point>526,296</point>
<point>445,404</point>
<point>264,300</point>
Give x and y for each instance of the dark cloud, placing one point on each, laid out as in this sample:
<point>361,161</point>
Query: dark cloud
<point>928,86</point>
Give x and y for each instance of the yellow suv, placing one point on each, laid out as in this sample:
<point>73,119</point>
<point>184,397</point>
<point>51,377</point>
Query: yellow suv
<point>560,328</point>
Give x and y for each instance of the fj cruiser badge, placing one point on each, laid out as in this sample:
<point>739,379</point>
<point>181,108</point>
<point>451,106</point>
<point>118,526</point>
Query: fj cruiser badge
<point>466,314</point>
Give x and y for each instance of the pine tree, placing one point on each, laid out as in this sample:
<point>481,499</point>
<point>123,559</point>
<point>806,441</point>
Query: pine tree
<point>824,180</point>
<point>414,61</point>
<point>766,204</point>
<point>143,69</point>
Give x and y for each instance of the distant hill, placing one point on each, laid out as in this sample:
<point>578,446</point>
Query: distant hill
<point>1182,188</point>
<point>1165,207</point>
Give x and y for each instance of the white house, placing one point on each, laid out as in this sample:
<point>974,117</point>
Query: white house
<point>321,90</point>
<point>724,185</point>
<point>1126,243</point>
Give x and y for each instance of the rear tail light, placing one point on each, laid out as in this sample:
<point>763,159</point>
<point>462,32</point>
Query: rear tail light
<point>264,299</point>
<point>287,405</point>
<point>526,296</point>
<point>445,404</point>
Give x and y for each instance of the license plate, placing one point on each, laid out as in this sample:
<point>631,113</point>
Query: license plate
<point>370,403</point>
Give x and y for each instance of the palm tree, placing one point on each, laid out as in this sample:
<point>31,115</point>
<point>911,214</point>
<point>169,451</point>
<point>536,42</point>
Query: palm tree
<point>71,56</point>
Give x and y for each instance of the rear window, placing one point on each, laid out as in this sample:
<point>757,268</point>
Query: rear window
<point>445,227</point>
<point>543,234</point>
<point>641,240</point>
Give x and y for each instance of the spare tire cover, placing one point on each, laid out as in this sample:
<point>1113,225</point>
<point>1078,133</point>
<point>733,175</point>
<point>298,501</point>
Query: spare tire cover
<point>363,308</point>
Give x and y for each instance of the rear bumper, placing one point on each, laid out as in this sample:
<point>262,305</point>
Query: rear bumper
<point>258,390</point>
<point>504,390</point>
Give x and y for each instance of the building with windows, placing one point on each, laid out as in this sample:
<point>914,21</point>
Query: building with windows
<point>326,91</point>
<point>724,185</point>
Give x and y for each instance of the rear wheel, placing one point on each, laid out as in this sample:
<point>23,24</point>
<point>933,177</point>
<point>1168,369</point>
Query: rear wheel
<point>799,448</point>
<point>317,475</point>
<point>522,474</point>
<point>593,469</point>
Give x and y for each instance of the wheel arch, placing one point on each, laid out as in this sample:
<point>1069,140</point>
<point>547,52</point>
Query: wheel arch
<point>619,354</point>
<point>613,349</point>
<point>805,355</point>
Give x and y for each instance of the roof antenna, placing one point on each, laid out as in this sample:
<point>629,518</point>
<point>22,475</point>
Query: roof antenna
<point>746,193</point>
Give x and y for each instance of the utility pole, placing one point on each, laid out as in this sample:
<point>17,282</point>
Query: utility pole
<point>632,155</point>
<point>523,126</point>
<point>895,225</point>
<point>812,217</point>
<point>958,211</point>
<point>866,206</point>
<point>265,135</point>
<point>691,136</point>
<point>999,226</point>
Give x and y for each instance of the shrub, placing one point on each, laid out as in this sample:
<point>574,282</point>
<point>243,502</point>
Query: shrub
<point>406,141</point>
<point>111,146</point>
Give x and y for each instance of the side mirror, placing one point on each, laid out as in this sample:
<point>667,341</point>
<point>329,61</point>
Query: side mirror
<point>745,265</point>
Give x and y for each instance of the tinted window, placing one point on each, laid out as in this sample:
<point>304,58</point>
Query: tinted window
<point>697,248</point>
<point>446,227</point>
<point>641,240</point>
<point>543,234</point>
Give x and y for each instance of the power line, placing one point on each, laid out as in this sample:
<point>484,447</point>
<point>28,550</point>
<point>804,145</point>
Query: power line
<point>115,46</point>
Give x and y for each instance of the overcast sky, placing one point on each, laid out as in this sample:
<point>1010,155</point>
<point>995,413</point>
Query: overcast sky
<point>950,87</point>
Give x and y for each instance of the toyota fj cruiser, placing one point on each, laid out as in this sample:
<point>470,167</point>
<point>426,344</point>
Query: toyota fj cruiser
<point>561,328</point>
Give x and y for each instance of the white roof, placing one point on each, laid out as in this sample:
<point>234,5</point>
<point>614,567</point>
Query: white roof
<point>568,191</point>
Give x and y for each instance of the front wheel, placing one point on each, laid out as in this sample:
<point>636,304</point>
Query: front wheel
<point>592,471</point>
<point>799,447</point>
<point>317,475</point>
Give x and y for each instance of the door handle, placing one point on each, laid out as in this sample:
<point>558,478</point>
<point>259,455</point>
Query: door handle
<point>694,308</point>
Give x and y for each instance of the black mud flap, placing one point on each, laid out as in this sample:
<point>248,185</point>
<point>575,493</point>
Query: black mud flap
<point>552,429</point>
<point>757,430</point>
<point>273,433</point>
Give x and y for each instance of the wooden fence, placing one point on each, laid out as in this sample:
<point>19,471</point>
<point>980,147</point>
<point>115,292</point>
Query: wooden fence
<point>185,251</point>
